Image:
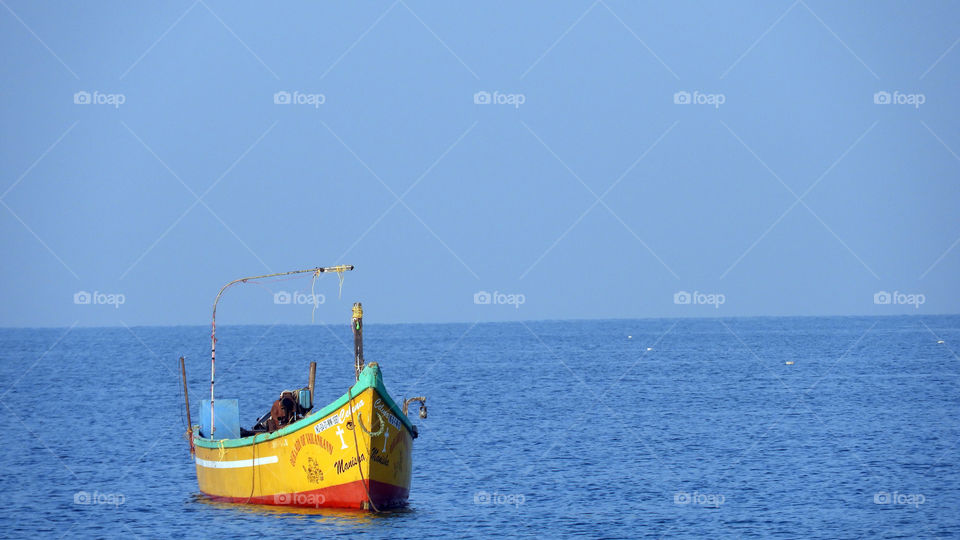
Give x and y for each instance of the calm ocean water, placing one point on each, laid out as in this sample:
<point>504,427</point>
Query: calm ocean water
<point>692,427</point>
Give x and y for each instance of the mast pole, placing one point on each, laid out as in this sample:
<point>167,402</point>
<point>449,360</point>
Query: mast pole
<point>358,339</point>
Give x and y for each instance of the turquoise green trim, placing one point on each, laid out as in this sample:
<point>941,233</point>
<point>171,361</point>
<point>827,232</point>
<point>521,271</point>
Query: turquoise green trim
<point>370,377</point>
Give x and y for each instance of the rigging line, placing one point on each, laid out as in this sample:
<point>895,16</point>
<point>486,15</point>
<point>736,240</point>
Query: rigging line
<point>356,448</point>
<point>253,471</point>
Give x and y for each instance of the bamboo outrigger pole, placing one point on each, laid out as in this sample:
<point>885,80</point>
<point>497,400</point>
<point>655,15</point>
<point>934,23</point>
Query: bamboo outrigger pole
<point>213,332</point>
<point>186,399</point>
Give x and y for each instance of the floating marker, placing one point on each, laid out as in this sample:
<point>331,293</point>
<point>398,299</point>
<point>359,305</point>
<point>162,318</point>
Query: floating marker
<point>940,342</point>
<point>649,348</point>
<point>789,362</point>
<point>629,337</point>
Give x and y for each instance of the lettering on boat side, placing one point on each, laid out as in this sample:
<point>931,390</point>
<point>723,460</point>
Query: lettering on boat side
<point>304,440</point>
<point>323,425</point>
<point>342,466</point>
<point>345,412</point>
<point>394,421</point>
<point>379,457</point>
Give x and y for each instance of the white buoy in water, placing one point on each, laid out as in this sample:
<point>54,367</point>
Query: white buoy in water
<point>789,362</point>
<point>629,337</point>
<point>649,348</point>
<point>940,342</point>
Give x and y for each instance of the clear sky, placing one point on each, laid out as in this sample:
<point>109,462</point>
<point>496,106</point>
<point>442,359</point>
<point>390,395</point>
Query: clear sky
<point>584,184</point>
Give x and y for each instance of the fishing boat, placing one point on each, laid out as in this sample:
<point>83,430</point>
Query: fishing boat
<point>355,452</point>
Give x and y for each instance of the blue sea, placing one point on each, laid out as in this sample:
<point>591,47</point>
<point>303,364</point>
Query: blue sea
<point>613,429</point>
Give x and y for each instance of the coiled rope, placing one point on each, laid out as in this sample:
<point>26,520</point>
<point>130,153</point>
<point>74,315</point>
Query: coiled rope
<point>379,432</point>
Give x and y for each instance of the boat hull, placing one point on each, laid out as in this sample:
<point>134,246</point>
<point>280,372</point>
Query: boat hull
<point>354,453</point>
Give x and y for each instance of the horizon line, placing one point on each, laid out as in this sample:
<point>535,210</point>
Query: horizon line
<point>478,322</point>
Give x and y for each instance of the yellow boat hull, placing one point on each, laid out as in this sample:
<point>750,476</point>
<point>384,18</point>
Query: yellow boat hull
<point>355,453</point>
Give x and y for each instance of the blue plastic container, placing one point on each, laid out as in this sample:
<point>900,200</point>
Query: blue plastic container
<point>306,400</point>
<point>227,413</point>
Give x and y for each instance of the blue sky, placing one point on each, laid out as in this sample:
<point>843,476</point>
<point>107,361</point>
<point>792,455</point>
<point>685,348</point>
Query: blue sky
<point>631,153</point>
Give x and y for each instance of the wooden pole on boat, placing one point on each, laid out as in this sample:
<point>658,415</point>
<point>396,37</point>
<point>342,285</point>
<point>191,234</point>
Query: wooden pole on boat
<point>186,398</point>
<point>358,338</point>
<point>213,323</point>
<point>312,379</point>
